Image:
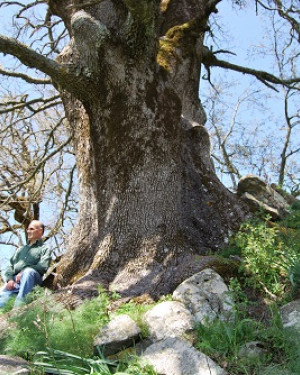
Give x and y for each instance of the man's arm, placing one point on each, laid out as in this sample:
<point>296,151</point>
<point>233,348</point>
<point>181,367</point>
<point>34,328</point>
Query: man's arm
<point>9,271</point>
<point>9,274</point>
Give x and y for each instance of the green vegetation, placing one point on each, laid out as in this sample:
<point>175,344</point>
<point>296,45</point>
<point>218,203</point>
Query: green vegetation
<point>270,266</point>
<point>274,348</point>
<point>9,305</point>
<point>55,338</point>
<point>58,362</point>
<point>136,312</point>
<point>49,324</point>
<point>270,256</point>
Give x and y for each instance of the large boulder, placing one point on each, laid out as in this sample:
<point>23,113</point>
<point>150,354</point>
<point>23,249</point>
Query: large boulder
<point>120,333</point>
<point>206,296</point>
<point>261,197</point>
<point>168,319</point>
<point>174,356</point>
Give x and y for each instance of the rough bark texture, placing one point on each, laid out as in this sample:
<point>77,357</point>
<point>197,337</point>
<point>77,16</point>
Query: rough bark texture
<point>149,197</point>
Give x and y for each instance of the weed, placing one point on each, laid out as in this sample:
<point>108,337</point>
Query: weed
<point>59,362</point>
<point>9,305</point>
<point>267,256</point>
<point>47,323</point>
<point>224,341</point>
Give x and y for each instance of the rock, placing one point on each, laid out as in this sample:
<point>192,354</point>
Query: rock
<point>120,333</point>
<point>13,365</point>
<point>168,319</point>
<point>252,349</point>
<point>257,206</point>
<point>261,197</point>
<point>206,296</point>
<point>174,356</point>
<point>290,315</point>
<point>289,198</point>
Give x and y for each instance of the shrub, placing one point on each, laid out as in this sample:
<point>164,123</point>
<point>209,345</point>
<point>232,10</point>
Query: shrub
<point>267,256</point>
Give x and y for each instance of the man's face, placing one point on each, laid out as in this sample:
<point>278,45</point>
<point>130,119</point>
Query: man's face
<point>34,232</point>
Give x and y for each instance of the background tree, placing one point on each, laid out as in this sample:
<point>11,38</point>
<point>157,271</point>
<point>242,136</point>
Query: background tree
<point>37,169</point>
<point>248,135</point>
<point>129,80</point>
<point>37,161</point>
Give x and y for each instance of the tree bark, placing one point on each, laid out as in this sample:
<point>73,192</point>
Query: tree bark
<point>149,197</point>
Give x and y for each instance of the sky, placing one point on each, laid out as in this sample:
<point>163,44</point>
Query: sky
<point>244,32</point>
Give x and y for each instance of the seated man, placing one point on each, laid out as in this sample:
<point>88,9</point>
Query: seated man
<point>27,266</point>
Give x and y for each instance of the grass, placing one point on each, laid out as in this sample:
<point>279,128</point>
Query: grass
<point>224,342</point>
<point>63,363</point>
<point>270,265</point>
<point>59,340</point>
<point>136,312</point>
<point>49,324</point>
<point>52,336</point>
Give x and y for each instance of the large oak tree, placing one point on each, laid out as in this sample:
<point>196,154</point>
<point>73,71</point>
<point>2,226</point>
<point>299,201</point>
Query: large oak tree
<point>129,80</point>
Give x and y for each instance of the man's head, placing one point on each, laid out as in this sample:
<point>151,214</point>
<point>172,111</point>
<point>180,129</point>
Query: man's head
<point>35,231</point>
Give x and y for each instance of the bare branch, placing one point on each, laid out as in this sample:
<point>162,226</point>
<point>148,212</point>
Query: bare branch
<point>285,13</point>
<point>41,163</point>
<point>25,77</point>
<point>66,75</point>
<point>27,104</point>
<point>209,60</point>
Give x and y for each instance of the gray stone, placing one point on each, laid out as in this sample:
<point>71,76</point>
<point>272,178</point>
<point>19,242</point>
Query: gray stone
<point>174,356</point>
<point>290,315</point>
<point>120,333</point>
<point>252,349</point>
<point>206,296</point>
<point>13,365</point>
<point>168,319</point>
<point>261,197</point>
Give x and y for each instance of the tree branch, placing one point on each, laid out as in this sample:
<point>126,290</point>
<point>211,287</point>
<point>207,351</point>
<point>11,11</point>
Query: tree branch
<point>41,163</point>
<point>209,59</point>
<point>15,105</point>
<point>285,14</point>
<point>179,12</point>
<point>66,76</point>
<point>25,77</point>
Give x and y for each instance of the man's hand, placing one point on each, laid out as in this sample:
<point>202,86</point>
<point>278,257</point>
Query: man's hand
<point>10,285</point>
<point>18,278</point>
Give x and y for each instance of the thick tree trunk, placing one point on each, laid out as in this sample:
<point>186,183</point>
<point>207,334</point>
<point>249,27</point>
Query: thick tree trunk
<point>149,197</point>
